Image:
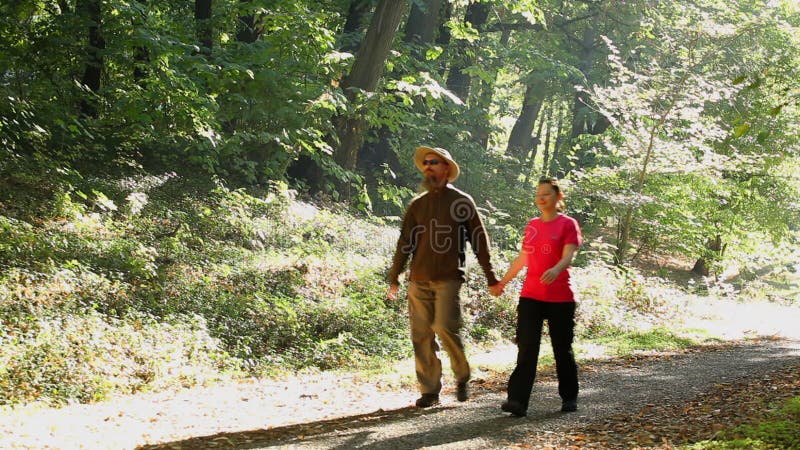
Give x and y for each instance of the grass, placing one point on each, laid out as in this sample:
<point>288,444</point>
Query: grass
<point>656,339</point>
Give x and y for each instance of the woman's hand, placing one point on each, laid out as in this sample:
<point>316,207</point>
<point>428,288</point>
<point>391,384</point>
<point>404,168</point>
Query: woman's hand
<point>549,275</point>
<point>496,289</point>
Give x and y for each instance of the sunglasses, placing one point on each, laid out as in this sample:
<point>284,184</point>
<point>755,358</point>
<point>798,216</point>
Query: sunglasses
<point>431,162</point>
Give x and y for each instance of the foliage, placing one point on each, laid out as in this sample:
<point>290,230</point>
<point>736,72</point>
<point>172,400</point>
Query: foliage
<point>667,139</point>
<point>86,357</point>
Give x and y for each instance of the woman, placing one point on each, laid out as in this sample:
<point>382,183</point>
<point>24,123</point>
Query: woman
<point>551,241</point>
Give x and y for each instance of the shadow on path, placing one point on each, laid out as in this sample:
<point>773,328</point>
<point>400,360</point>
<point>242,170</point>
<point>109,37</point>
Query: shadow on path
<point>301,432</point>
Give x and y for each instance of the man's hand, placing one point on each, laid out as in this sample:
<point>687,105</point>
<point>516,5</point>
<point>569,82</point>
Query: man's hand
<point>391,293</point>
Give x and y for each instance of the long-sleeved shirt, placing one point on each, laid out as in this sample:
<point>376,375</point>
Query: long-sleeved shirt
<point>436,227</point>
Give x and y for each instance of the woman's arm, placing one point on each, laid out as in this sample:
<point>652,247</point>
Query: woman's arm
<point>519,262</point>
<point>567,255</point>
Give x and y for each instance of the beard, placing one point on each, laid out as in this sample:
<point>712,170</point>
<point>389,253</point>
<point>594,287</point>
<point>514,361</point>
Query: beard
<point>431,183</point>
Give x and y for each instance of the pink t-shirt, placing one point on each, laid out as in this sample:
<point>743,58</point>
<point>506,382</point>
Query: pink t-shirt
<point>544,243</point>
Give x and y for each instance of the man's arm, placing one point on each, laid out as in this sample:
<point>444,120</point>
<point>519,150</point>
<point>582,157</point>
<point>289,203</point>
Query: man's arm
<point>405,247</point>
<point>479,240</point>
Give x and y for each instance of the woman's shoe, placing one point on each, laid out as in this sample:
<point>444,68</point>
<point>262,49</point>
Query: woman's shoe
<point>569,406</point>
<point>514,407</point>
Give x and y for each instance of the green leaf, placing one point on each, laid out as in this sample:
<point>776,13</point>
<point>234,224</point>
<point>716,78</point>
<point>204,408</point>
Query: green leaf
<point>433,53</point>
<point>741,130</point>
<point>755,84</point>
<point>776,110</point>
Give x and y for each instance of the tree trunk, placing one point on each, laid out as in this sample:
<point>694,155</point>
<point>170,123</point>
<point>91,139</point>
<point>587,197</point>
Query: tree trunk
<point>422,22</point>
<point>249,31</point>
<point>141,61</point>
<point>534,146</point>
<point>580,110</point>
<point>202,16</point>
<point>350,38</point>
<point>580,119</point>
<point>584,120</point>
<point>419,31</point>
<point>444,37</point>
<point>364,75</point>
<point>623,236</point>
<point>548,116</point>
<point>714,248</point>
<point>520,136</point>
<point>89,11</point>
<point>547,162</point>
<point>458,82</point>
<point>484,102</point>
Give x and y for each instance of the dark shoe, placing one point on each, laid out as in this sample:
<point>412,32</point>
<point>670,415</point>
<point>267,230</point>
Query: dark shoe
<point>569,406</point>
<point>427,400</point>
<point>462,392</point>
<point>513,407</point>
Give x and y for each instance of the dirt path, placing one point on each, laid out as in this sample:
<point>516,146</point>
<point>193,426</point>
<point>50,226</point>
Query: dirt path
<point>342,411</point>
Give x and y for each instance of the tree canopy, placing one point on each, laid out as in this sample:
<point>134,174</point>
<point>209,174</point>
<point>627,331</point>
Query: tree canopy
<point>675,122</point>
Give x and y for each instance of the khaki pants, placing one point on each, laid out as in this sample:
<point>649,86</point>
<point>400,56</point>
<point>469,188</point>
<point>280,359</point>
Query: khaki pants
<point>435,307</point>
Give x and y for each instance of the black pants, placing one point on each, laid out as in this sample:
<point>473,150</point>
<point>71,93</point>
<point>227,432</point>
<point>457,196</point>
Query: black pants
<point>531,315</point>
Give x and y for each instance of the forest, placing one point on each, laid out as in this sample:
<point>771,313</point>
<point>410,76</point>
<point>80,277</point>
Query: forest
<point>191,191</point>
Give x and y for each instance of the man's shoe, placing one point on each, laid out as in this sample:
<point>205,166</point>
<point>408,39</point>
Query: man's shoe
<point>427,400</point>
<point>569,406</point>
<point>462,392</point>
<point>514,407</point>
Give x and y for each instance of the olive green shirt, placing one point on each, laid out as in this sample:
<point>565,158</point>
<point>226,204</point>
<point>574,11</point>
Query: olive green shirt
<point>436,227</point>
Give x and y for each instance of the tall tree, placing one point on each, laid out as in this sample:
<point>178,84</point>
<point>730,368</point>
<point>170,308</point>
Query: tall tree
<point>352,30</point>
<point>458,80</point>
<point>363,79</point>
<point>520,138</point>
<point>423,21</point>
<point>141,56</point>
<point>205,30</point>
<point>667,136</point>
<point>249,28</point>
<point>419,34</point>
<point>90,12</point>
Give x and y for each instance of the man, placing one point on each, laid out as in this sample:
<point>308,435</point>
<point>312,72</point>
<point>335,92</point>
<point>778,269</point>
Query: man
<point>436,227</point>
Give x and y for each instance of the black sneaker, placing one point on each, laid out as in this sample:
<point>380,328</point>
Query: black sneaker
<point>569,406</point>
<point>427,400</point>
<point>462,392</point>
<point>514,407</point>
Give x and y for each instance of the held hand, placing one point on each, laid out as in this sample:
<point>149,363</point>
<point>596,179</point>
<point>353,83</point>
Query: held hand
<point>391,293</point>
<point>496,289</point>
<point>549,275</point>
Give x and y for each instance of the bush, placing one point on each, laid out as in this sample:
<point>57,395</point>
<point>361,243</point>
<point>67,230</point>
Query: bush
<point>87,357</point>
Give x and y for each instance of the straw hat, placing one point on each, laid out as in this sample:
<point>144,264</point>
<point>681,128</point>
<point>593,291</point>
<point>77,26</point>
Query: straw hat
<point>423,150</point>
